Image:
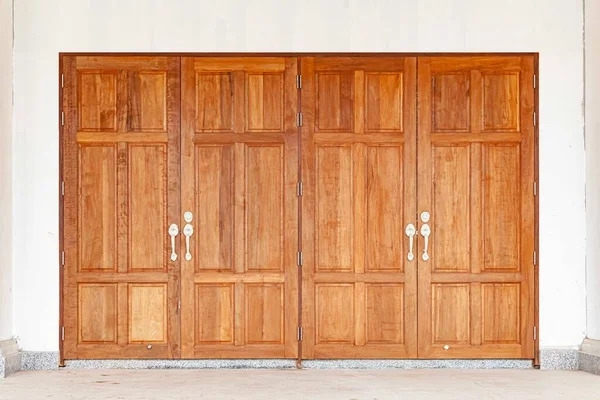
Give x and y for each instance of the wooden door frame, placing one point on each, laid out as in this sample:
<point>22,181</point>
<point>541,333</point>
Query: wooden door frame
<point>63,55</point>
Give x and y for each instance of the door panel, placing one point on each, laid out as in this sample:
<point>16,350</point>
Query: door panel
<point>359,149</point>
<point>236,294</point>
<point>476,173</point>
<point>239,171</point>
<point>121,173</point>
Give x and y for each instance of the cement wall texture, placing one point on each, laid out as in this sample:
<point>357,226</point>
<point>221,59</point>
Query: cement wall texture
<point>6,179</point>
<point>44,28</point>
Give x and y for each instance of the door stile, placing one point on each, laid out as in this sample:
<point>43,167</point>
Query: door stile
<point>174,196</point>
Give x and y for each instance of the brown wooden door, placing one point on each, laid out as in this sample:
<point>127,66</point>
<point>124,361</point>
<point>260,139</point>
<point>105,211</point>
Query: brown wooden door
<point>239,166</point>
<point>121,190</point>
<point>359,150</point>
<point>475,178</point>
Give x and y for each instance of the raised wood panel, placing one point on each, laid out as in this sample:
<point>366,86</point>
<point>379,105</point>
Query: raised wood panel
<point>451,102</point>
<point>264,308</point>
<point>264,102</point>
<point>214,102</point>
<point>148,101</point>
<point>501,207</point>
<point>335,102</point>
<point>335,313</point>
<point>384,228</point>
<point>98,208</point>
<point>264,207</point>
<point>334,235</point>
<point>147,313</point>
<point>97,316</point>
<point>501,308</point>
<point>383,106</point>
<point>214,308</point>
<point>384,313</point>
<point>147,207</point>
<point>450,247</point>
<point>97,103</point>
<point>214,207</point>
<point>501,102</point>
<point>451,313</point>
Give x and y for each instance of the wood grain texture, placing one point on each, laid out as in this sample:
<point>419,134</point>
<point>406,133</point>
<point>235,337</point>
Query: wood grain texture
<point>97,318</point>
<point>147,207</point>
<point>358,163</point>
<point>240,158</point>
<point>98,208</point>
<point>239,163</point>
<point>476,166</point>
<point>147,313</point>
<point>122,185</point>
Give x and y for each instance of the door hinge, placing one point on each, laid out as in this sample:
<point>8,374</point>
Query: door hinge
<point>299,119</point>
<point>62,118</point>
<point>534,81</point>
<point>62,80</point>
<point>298,81</point>
<point>299,333</point>
<point>299,189</point>
<point>535,333</point>
<point>534,119</point>
<point>299,261</point>
<point>62,258</point>
<point>62,188</point>
<point>534,258</point>
<point>534,188</point>
<point>62,333</point>
<point>179,304</point>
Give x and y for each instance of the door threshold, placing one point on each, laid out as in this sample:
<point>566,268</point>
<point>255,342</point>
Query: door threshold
<point>306,364</point>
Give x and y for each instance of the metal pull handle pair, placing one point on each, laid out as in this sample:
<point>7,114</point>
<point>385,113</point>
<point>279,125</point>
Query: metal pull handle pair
<point>188,231</point>
<point>411,232</point>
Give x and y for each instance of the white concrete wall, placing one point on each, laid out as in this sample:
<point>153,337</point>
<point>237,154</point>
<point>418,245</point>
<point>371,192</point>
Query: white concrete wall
<point>592,146</point>
<point>552,27</point>
<point>6,187</point>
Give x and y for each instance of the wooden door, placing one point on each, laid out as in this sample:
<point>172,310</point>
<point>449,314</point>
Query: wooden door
<point>476,179</point>
<point>121,192</point>
<point>359,159</point>
<point>239,166</point>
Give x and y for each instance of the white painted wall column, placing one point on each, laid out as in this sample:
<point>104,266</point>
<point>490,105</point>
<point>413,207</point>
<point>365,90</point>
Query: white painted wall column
<point>6,208</point>
<point>592,143</point>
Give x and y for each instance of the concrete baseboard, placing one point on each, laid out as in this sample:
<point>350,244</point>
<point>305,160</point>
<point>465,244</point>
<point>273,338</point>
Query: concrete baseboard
<point>39,360</point>
<point>183,364</point>
<point>10,357</point>
<point>587,359</point>
<point>419,364</point>
<point>589,356</point>
<point>559,358</point>
<point>291,363</point>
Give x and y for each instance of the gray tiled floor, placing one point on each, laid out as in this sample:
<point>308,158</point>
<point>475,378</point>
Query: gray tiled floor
<point>301,384</point>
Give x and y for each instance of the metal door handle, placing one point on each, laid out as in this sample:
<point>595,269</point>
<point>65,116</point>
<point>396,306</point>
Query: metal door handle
<point>410,231</point>
<point>425,232</point>
<point>173,231</point>
<point>188,230</point>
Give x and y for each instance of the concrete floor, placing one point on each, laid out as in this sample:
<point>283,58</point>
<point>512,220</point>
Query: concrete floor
<point>305,384</point>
